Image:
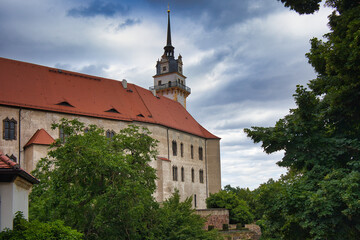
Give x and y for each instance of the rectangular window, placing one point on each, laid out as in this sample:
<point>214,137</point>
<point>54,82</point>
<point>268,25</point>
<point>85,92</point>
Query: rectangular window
<point>195,203</point>
<point>159,83</point>
<point>174,148</point>
<point>175,174</point>
<point>201,176</point>
<point>182,174</point>
<point>182,149</point>
<point>200,153</point>
<point>192,151</point>
<point>9,129</point>
<point>164,68</point>
<point>192,175</point>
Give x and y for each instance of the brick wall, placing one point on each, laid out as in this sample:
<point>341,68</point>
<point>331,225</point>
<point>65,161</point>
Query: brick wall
<point>215,216</point>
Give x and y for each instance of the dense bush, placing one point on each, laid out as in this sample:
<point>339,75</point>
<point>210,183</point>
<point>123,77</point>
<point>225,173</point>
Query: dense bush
<point>36,230</point>
<point>239,211</point>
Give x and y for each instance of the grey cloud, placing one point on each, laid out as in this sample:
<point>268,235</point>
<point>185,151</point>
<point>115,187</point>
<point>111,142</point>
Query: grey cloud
<point>128,23</point>
<point>107,8</point>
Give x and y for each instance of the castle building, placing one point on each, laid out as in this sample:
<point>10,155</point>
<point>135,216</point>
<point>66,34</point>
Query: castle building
<point>33,97</point>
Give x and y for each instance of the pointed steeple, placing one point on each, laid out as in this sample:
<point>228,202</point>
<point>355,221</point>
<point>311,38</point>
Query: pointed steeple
<point>169,49</point>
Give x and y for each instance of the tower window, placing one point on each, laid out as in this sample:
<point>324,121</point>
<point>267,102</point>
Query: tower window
<point>159,83</point>
<point>192,175</point>
<point>164,69</point>
<point>182,149</point>
<point>201,176</point>
<point>180,69</point>
<point>200,153</point>
<point>175,176</point>
<point>182,174</point>
<point>192,151</point>
<point>174,148</point>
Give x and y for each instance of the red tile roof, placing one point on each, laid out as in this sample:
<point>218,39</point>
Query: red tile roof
<point>6,162</point>
<point>9,170</point>
<point>32,86</point>
<point>40,137</point>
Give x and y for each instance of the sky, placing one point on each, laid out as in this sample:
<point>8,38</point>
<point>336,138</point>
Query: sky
<point>243,59</point>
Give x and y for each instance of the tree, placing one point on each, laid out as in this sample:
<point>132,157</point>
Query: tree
<point>238,209</point>
<point>321,137</point>
<point>102,187</point>
<point>179,221</point>
<point>36,230</point>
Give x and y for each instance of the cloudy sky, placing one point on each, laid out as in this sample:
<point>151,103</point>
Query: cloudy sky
<point>242,58</point>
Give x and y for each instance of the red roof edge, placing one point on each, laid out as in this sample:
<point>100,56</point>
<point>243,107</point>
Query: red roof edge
<point>40,137</point>
<point>164,159</point>
<point>11,169</point>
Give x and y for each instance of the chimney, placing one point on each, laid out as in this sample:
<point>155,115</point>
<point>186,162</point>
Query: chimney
<point>124,83</point>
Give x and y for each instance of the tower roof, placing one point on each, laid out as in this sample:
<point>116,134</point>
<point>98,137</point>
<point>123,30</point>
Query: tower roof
<point>169,49</point>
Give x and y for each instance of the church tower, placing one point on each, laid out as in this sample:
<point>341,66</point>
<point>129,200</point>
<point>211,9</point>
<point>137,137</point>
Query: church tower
<point>169,80</point>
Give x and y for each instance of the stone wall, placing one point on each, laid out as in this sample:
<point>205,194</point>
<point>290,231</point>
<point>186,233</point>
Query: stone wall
<point>215,217</point>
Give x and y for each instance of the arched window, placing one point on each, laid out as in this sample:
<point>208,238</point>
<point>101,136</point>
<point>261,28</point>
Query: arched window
<point>174,147</point>
<point>9,129</point>
<point>201,176</point>
<point>182,174</point>
<point>175,174</point>
<point>110,134</point>
<point>192,175</point>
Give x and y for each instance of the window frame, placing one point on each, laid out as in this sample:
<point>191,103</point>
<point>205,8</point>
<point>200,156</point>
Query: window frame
<point>182,174</point>
<point>201,153</point>
<point>175,173</point>
<point>192,175</point>
<point>9,129</point>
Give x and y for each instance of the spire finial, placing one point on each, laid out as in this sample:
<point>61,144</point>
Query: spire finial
<point>168,7</point>
<point>169,49</point>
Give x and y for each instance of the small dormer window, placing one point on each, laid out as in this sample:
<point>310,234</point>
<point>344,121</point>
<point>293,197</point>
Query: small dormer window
<point>159,83</point>
<point>164,68</point>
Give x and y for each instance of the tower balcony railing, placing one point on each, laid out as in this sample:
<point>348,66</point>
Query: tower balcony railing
<point>170,85</point>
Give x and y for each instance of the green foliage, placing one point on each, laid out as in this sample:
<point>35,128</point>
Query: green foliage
<point>36,230</point>
<point>319,197</point>
<point>238,209</point>
<point>98,186</point>
<point>178,221</point>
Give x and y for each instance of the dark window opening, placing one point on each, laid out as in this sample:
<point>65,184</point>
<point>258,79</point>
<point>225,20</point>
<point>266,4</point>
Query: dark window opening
<point>192,175</point>
<point>182,149</point>
<point>192,151</point>
<point>140,115</point>
<point>174,148</point>
<point>195,203</point>
<point>112,110</point>
<point>9,129</point>
<point>164,68</point>
<point>201,176</point>
<point>64,103</point>
<point>159,82</point>
<point>200,153</point>
<point>175,173</point>
<point>182,174</point>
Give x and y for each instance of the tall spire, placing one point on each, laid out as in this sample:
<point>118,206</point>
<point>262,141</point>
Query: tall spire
<point>169,49</point>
